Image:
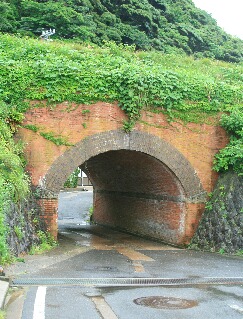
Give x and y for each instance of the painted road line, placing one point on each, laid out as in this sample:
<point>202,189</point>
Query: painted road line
<point>138,267</point>
<point>102,247</point>
<point>237,308</point>
<point>103,308</point>
<point>133,255</point>
<point>39,306</point>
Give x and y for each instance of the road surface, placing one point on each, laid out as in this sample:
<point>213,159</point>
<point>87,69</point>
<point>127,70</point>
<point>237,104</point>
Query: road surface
<point>96,272</point>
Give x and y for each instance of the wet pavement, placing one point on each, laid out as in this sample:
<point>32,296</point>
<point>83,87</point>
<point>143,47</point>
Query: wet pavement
<point>109,263</point>
<point>94,252</point>
<point>74,206</point>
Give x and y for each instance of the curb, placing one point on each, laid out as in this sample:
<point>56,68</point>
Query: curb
<point>4,285</point>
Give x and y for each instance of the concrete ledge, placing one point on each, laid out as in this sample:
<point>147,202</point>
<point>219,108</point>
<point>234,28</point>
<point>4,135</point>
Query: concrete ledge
<point>4,285</point>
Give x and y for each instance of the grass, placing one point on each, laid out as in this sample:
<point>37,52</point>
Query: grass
<point>2,314</point>
<point>47,243</point>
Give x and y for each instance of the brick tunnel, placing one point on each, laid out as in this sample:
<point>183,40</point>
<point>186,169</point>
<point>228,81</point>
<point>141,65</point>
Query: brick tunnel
<point>137,193</point>
<point>142,185</point>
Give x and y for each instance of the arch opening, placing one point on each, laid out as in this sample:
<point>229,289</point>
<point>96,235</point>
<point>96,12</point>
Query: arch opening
<point>135,192</point>
<point>142,184</point>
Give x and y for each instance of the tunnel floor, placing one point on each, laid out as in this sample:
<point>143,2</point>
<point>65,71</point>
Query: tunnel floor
<point>74,224</point>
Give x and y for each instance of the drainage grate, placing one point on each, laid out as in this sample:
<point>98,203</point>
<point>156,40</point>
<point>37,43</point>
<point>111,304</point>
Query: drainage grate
<point>104,282</point>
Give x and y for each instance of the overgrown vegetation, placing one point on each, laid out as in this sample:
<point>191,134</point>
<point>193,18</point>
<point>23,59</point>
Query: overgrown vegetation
<point>165,25</point>
<point>47,242</point>
<point>58,140</point>
<point>72,181</point>
<point>33,70</point>
<point>221,226</point>
<point>14,183</point>
<point>2,314</point>
<point>50,136</point>
<point>179,86</point>
<point>183,87</point>
<point>232,155</point>
<point>13,180</point>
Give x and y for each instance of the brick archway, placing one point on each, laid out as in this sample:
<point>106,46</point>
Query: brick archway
<point>171,216</point>
<point>119,140</point>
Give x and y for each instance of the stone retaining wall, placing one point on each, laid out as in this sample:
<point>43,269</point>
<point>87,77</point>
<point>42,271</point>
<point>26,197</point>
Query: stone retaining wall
<point>221,227</point>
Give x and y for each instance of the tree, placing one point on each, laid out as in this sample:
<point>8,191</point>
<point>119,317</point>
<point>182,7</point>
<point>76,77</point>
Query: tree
<point>8,21</point>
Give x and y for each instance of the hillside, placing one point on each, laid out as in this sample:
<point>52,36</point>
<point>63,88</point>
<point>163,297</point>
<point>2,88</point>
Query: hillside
<point>165,25</point>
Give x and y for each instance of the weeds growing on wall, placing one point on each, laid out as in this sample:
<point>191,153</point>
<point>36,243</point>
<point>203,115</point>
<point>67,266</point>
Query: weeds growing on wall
<point>59,71</point>
<point>47,242</point>
<point>53,72</point>
<point>179,86</point>
<point>232,155</point>
<point>13,180</point>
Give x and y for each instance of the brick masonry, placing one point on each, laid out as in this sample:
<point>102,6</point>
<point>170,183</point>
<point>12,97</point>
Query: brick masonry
<point>151,181</point>
<point>49,209</point>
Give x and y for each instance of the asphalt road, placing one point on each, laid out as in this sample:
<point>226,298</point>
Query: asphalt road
<point>96,272</point>
<point>74,207</point>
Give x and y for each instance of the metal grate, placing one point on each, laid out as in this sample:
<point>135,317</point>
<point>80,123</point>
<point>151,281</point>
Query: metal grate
<point>104,282</point>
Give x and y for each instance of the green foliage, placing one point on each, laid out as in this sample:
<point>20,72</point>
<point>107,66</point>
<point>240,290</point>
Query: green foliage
<point>2,314</point>
<point>13,180</point>
<point>11,166</point>
<point>8,21</point>
<point>58,140</point>
<point>91,212</point>
<point>239,253</point>
<point>128,125</point>
<point>232,155</point>
<point>18,232</point>
<point>36,16</point>
<point>164,25</point>
<point>31,127</point>
<point>59,71</point>
<point>47,243</point>
<point>221,251</point>
<point>72,181</point>
<point>5,195</point>
<point>85,111</point>
<point>233,123</point>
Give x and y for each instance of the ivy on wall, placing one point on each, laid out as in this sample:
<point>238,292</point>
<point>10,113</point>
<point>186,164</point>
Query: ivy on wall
<point>54,72</point>
<point>14,184</point>
<point>232,155</point>
<point>58,71</point>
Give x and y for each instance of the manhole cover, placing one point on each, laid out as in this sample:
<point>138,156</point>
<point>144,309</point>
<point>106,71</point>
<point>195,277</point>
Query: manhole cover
<point>165,302</point>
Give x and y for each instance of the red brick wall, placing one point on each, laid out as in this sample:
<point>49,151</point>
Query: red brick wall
<point>168,218</point>
<point>49,208</point>
<point>137,193</point>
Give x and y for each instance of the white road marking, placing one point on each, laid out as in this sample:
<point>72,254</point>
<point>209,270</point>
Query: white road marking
<point>39,306</point>
<point>237,308</point>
